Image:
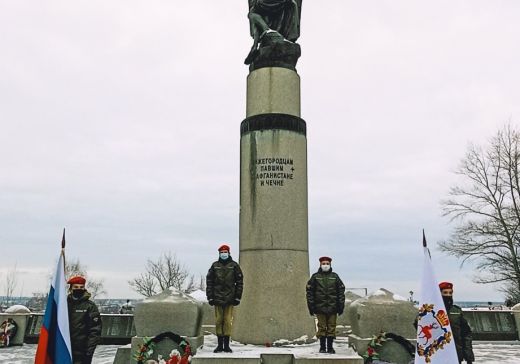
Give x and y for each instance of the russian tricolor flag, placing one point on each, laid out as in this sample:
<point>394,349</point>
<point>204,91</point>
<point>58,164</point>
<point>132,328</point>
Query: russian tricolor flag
<point>54,342</point>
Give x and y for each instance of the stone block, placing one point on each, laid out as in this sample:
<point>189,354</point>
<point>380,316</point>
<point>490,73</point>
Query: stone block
<point>123,354</point>
<point>381,312</point>
<point>168,311</point>
<point>344,320</point>
<point>20,315</point>
<point>516,313</point>
<point>277,358</point>
<point>391,351</point>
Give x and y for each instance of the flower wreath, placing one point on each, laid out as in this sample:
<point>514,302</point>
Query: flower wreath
<point>8,330</point>
<point>146,349</point>
<point>377,341</point>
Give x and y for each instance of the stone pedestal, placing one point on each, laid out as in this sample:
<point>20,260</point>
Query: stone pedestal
<point>273,211</point>
<point>20,315</point>
<point>169,311</point>
<point>516,313</point>
<point>381,312</point>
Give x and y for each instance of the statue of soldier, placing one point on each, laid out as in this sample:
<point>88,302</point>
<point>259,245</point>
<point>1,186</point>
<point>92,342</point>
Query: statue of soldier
<point>278,18</point>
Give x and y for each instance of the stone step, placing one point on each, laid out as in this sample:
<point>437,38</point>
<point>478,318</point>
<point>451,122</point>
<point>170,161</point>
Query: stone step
<point>236,358</point>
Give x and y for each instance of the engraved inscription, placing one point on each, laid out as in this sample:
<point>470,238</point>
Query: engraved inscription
<point>274,171</point>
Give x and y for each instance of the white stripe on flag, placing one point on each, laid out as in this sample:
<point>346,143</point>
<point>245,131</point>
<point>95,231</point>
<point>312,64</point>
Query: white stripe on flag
<point>60,297</point>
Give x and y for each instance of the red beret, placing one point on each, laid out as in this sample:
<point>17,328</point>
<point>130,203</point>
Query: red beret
<point>76,280</point>
<point>445,285</point>
<point>224,247</point>
<point>326,259</point>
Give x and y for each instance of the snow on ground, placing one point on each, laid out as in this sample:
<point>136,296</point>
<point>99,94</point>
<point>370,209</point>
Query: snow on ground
<point>486,353</point>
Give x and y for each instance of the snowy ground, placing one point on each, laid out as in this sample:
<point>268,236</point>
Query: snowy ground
<point>486,353</point>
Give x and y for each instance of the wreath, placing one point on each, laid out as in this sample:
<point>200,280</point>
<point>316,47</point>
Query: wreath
<point>8,330</point>
<point>377,341</point>
<point>146,349</point>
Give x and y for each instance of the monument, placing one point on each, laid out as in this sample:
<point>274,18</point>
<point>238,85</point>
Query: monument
<point>273,183</point>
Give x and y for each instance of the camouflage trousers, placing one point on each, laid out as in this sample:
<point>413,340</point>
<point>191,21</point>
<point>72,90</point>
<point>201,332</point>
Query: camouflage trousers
<point>326,325</point>
<point>223,320</point>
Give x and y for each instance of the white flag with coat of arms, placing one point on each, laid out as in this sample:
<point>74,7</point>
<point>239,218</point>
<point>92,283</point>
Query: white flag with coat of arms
<point>435,342</point>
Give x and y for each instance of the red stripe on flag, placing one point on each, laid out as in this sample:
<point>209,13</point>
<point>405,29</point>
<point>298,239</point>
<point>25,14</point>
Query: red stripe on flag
<point>41,351</point>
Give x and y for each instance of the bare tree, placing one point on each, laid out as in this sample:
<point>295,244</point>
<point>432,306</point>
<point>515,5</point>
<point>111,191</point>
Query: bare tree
<point>94,286</point>
<point>487,210</point>
<point>11,282</point>
<point>202,282</point>
<point>162,274</point>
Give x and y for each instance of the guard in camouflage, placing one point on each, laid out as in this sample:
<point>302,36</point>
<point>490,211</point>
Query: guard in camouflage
<point>84,322</point>
<point>459,326</point>
<point>326,300</point>
<point>224,284</point>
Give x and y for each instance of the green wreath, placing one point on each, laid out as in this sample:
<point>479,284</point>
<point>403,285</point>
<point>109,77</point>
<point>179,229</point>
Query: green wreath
<point>8,330</point>
<point>146,349</point>
<point>377,341</point>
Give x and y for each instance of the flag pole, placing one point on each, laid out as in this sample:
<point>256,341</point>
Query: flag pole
<point>63,252</point>
<point>424,244</point>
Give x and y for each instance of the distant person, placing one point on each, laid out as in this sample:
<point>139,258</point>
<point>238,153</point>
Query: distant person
<point>459,326</point>
<point>326,300</point>
<point>126,308</point>
<point>224,285</point>
<point>84,322</point>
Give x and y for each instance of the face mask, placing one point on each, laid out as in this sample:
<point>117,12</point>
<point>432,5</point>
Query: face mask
<point>448,301</point>
<point>224,256</point>
<point>325,267</point>
<point>78,293</point>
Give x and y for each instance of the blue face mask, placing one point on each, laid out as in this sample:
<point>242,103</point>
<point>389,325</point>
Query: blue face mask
<point>224,256</point>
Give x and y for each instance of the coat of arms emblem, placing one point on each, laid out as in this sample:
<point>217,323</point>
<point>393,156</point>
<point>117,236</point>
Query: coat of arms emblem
<point>433,331</point>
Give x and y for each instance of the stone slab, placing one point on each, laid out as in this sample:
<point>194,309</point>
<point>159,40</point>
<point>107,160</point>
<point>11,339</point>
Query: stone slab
<point>21,320</point>
<point>326,359</point>
<point>381,312</point>
<point>123,354</point>
<point>390,349</point>
<point>170,310</point>
<point>287,354</point>
<point>516,313</point>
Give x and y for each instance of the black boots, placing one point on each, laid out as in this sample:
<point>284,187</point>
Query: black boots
<point>227,349</point>
<point>223,345</point>
<point>220,345</point>
<point>330,341</point>
<point>322,344</point>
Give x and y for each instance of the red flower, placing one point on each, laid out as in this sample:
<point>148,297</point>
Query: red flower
<point>370,351</point>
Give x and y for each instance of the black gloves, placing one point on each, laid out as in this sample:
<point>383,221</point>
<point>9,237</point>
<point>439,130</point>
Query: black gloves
<point>211,302</point>
<point>236,301</point>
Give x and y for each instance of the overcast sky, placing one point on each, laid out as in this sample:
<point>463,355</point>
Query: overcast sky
<point>119,120</point>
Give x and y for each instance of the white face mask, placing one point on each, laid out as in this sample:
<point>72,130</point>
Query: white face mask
<point>325,267</point>
<point>224,256</point>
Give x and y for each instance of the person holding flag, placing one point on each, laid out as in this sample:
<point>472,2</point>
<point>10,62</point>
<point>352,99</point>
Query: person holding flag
<point>459,325</point>
<point>54,341</point>
<point>435,342</point>
<point>85,321</point>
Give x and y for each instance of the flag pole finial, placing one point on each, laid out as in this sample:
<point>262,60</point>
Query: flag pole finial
<point>63,240</point>
<point>423,239</point>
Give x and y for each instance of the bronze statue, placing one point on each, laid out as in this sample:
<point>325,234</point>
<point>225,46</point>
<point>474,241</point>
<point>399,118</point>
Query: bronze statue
<point>273,21</point>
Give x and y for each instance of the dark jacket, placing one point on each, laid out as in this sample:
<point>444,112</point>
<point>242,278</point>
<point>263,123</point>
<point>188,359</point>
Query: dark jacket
<point>85,325</point>
<point>461,334</point>
<point>325,293</point>
<point>224,282</point>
